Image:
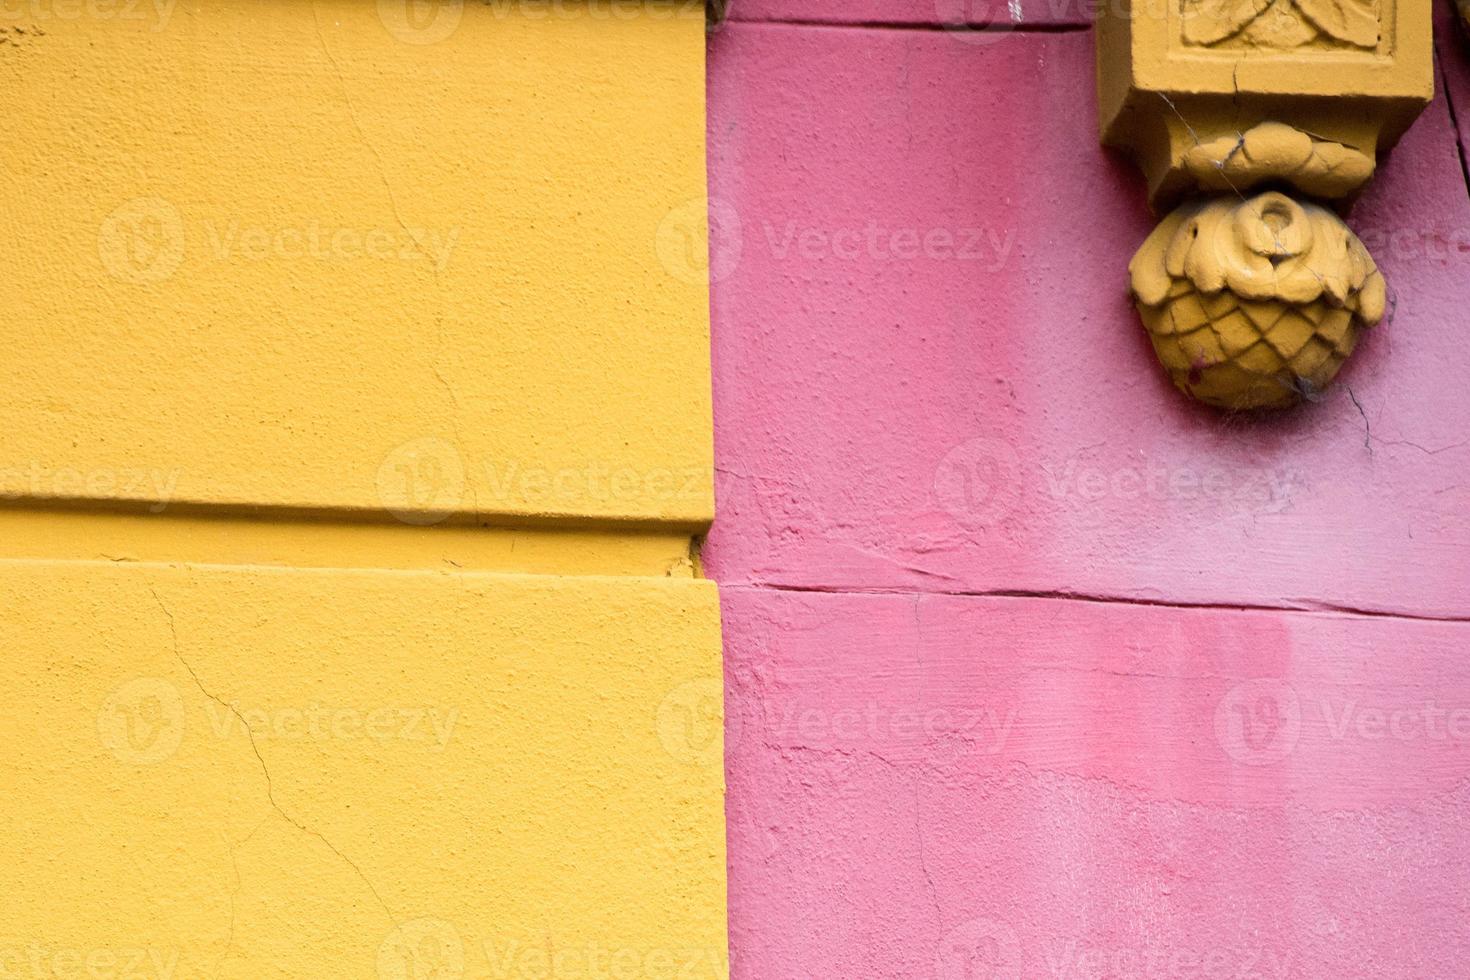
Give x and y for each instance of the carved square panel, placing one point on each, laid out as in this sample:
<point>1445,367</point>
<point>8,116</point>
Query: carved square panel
<point>1275,27</point>
<point>1175,73</point>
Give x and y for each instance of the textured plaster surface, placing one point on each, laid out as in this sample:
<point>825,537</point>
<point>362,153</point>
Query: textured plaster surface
<point>982,412</point>
<point>1059,789</point>
<point>287,773</point>
<point>1452,56</point>
<point>1002,14</point>
<point>296,291</point>
<point>328,255</point>
<point>1034,669</point>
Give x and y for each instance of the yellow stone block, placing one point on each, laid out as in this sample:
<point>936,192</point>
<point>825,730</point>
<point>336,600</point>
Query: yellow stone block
<point>1174,75</point>
<point>300,296</point>
<point>358,255</point>
<point>280,773</point>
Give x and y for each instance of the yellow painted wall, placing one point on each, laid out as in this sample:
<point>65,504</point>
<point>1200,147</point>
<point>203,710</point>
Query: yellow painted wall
<point>356,429</point>
<point>269,252</point>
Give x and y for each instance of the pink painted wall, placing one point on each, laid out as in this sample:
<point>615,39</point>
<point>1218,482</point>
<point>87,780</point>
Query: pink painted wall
<point>1035,669</point>
<point>1018,14</point>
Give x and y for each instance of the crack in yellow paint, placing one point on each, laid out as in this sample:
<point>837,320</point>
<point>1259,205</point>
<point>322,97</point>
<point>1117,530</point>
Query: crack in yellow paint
<point>421,520</point>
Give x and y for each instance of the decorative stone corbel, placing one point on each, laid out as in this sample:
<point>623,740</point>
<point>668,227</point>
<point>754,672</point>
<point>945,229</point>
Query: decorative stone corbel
<point>1254,121</point>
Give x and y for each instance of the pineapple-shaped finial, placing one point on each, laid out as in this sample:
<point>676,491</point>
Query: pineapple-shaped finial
<point>1254,302</point>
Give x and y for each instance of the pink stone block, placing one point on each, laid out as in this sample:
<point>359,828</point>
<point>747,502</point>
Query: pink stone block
<point>928,375</point>
<point>941,435</point>
<point>921,785</point>
<point>919,13</point>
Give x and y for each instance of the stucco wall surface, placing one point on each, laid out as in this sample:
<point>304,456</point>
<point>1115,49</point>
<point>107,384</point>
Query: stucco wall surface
<point>225,772</point>
<point>931,378</point>
<point>356,427</point>
<point>955,14</point>
<point>352,254</point>
<point>1035,669</point>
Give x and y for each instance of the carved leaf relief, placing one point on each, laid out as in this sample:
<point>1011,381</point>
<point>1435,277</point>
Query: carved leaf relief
<point>1208,21</point>
<point>1281,23</point>
<point>1353,21</point>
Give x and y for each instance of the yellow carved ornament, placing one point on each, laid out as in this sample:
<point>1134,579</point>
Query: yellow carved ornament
<point>1254,303</point>
<point>1274,152</point>
<point>1282,24</point>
